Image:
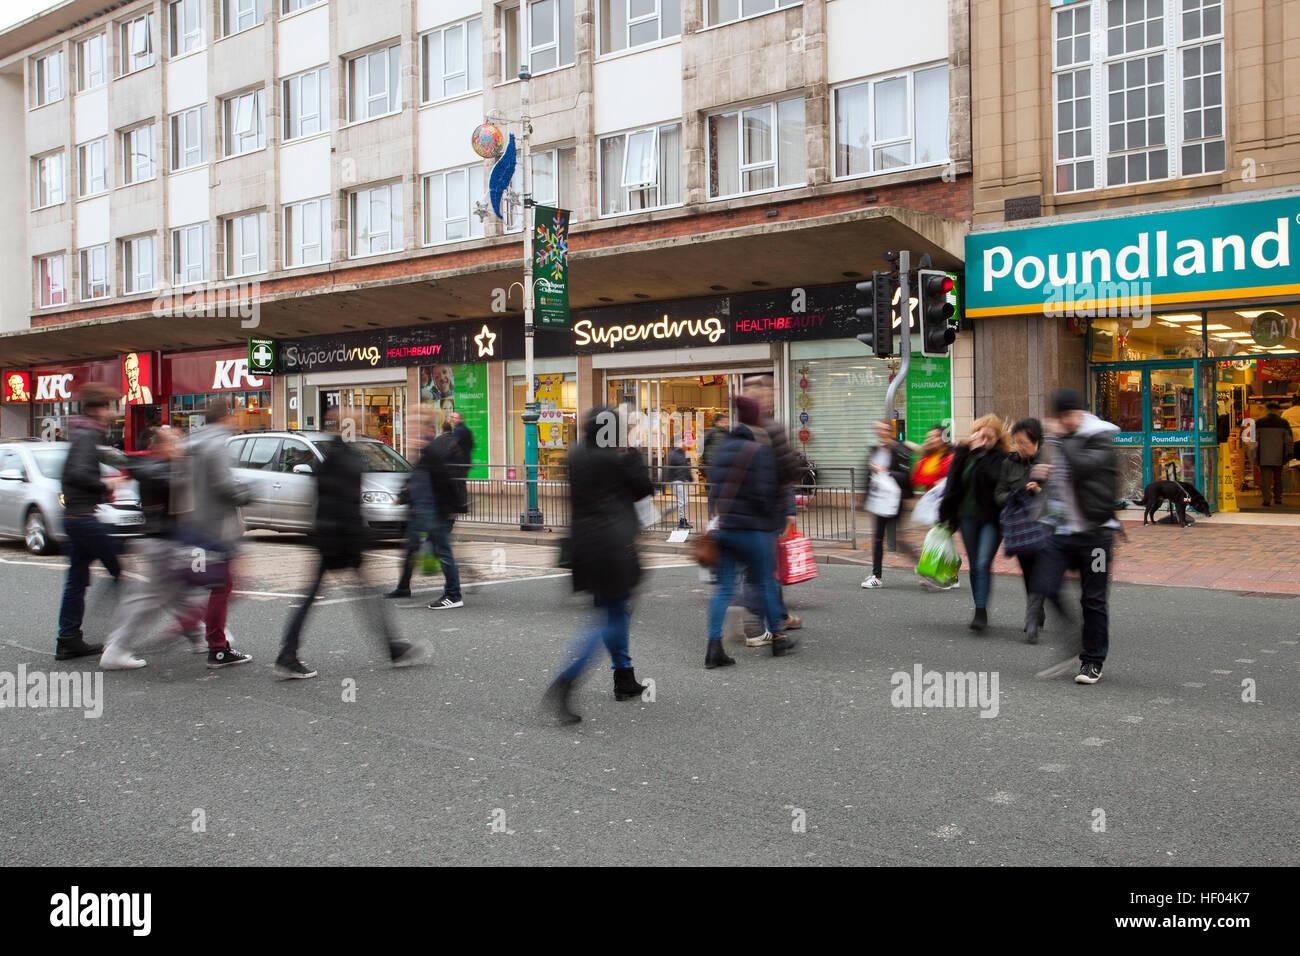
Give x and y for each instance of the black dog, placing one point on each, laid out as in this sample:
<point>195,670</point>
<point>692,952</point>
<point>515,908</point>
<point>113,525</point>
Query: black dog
<point>1181,493</point>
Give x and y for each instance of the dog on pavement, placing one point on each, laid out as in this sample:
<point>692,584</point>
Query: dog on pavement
<point>1181,493</point>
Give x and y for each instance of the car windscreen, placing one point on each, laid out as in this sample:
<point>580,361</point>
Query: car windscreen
<point>377,455</point>
<point>49,461</point>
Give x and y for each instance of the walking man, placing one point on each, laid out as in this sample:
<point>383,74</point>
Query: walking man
<point>679,477</point>
<point>1276,446</point>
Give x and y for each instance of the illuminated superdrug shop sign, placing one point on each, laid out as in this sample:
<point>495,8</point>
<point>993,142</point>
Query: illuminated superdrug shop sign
<point>442,343</point>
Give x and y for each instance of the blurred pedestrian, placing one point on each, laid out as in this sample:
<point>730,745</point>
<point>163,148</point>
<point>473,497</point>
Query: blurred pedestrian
<point>889,458</point>
<point>459,458</point>
<point>419,494</point>
<point>446,460</point>
<point>1027,437</point>
<point>933,461</point>
<point>970,505</point>
<point>1276,446</point>
<point>84,488</point>
<point>605,482</point>
<point>679,479</point>
<point>339,537</point>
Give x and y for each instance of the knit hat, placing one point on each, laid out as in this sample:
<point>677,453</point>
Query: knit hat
<point>746,410</point>
<point>1066,400</point>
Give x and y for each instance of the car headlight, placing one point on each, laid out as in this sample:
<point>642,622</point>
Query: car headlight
<point>62,503</point>
<point>377,498</point>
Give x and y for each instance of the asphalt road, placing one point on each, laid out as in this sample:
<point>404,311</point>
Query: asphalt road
<point>797,760</point>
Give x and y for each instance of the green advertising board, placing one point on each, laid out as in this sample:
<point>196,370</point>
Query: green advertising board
<point>929,395</point>
<point>551,268</point>
<point>460,388</point>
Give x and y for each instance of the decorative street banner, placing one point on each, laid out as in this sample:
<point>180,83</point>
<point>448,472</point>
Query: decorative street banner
<point>551,267</point>
<point>929,395</point>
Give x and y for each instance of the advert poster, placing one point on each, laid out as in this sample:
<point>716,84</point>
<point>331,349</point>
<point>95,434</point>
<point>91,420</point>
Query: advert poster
<point>138,378</point>
<point>549,390</point>
<point>18,387</point>
<point>460,388</point>
<point>929,395</point>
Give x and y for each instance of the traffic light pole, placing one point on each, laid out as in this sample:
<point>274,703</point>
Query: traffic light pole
<point>905,344</point>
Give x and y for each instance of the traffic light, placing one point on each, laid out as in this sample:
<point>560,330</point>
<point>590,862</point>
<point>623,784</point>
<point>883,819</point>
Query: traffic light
<point>937,333</point>
<point>878,314</point>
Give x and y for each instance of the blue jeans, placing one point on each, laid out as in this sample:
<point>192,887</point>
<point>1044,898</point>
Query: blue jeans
<point>756,551</point>
<point>981,539</point>
<point>440,537</point>
<point>420,524</point>
<point>751,595</point>
<point>88,542</point>
<point>613,633</point>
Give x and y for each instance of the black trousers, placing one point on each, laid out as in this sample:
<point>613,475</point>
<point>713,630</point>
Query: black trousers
<point>878,545</point>
<point>372,611</point>
<point>1090,555</point>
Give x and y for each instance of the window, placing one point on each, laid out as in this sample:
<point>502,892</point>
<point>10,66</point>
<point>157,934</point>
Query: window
<point>641,170</point>
<point>185,26</point>
<point>293,6</point>
<point>94,273</point>
<point>306,104</point>
<point>242,15</point>
<point>448,205</point>
<point>756,149</point>
<point>374,84</point>
<point>244,245</point>
<point>724,11</point>
<point>47,78</point>
<point>375,220</point>
<point>542,41</point>
<point>52,276</point>
<point>90,63</point>
<point>92,168</point>
<point>892,123</point>
<point>189,138</point>
<point>307,229</point>
<point>629,23</point>
<point>138,264</point>
<point>137,44</point>
<point>190,254</point>
<point>49,180</point>
<point>242,117</point>
<point>1138,91</point>
<point>551,184</point>
<point>138,156</point>
<point>451,60</point>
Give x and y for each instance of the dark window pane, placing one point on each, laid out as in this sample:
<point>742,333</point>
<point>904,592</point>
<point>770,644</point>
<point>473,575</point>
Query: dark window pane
<point>1191,160</point>
<point>1214,122</point>
<point>1214,157</point>
<point>1137,167</point>
<point>1115,171</point>
<point>1084,175</point>
<point>1159,161</point>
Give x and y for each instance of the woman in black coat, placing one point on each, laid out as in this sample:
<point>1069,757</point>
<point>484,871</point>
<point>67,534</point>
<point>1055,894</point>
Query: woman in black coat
<point>605,482</point>
<point>1027,436</point>
<point>970,505</point>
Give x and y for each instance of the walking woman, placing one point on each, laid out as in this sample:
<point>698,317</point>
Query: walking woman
<point>932,464</point>
<point>969,505</point>
<point>1027,437</point>
<point>890,457</point>
<point>605,483</point>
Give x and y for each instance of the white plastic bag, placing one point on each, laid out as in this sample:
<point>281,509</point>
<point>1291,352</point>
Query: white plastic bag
<point>926,512</point>
<point>884,496</point>
<point>646,512</point>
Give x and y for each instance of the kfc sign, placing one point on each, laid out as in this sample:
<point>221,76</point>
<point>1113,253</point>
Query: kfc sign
<point>18,387</point>
<point>211,370</point>
<point>233,374</point>
<point>54,388</point>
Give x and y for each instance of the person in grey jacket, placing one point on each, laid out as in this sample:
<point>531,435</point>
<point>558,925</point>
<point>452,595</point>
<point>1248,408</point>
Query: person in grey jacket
<point>1275,449</point>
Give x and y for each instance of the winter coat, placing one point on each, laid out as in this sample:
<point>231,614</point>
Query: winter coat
<point>339,532</point>
<point>983,482</point>
<point>1093,467</point>
<point>931,469</point>
<point>604,486</point>
<point>448,466</point>
<point>83,484</point>
<point>678,467</point>
<point>707,446</point>
<point>900,467</point>
<point>213,491</point>
<point>457,451</point>
<point>1014,475</point>
<point>153,476</point>
<point>1275,442</point>
<point>758,503</point>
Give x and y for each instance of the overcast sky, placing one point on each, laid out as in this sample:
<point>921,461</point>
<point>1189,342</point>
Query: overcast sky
<point>11,11</point>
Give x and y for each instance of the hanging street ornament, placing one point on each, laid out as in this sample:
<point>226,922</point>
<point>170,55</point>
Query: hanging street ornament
<point>502,173</point>
<point>488,141</point>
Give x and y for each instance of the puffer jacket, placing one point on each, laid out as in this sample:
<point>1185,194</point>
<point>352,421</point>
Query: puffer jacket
<point>758,503</point>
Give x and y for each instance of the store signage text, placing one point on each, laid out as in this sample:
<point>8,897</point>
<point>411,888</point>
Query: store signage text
<point>414,351</point>
<point>665,329</point>
<point>780,323</point>
<point>53,388</point>
<point>230,373</point>
<point>310,358</point>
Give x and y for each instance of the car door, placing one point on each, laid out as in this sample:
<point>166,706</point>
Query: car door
<point>13,492</point>
<point>295,492</point>
<point>256,470</point>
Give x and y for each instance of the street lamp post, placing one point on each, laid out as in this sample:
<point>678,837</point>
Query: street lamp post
<point>530,520</point>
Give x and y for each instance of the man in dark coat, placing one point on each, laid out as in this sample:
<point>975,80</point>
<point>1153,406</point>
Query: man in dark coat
<point>459,459</point>
<point>434,498</point>
<point>605,483</point>
<point>1273,433</point>
<point>339,537</point>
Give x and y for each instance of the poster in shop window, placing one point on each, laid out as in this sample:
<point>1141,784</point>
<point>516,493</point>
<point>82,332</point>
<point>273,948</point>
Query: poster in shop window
<point>929,395</point>
<point>551,267</point>
<point>460,388</point>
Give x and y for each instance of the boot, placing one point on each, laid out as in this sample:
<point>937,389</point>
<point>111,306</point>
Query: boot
<point>556,702</point>
<point>717,657</point>
<point>68,648</point>
<point>626,686</point>
<point>783,644</point>
<point>980,620</point>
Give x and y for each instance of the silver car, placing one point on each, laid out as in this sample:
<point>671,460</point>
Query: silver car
<point>31,499</point>
<point>278,469</point>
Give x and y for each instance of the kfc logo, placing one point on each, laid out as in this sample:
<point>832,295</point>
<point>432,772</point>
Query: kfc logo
<point>229,373</point>
<point>53,388</point>
<point>17,387</point>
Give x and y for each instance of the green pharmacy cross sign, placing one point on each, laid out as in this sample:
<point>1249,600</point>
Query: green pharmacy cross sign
<point>551,267</point>
<point>261,356</point>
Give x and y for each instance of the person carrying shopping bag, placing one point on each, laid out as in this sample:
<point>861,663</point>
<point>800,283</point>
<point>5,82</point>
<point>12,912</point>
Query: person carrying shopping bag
<point>891,460</point>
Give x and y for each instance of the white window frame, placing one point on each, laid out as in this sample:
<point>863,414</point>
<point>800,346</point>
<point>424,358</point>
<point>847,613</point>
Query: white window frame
<point>96,149</point>
<point>134,280</point>
<point>241,233</point>
<point>296,219</point>
<point>357,76</point>
<point>740,11</point>
<point>290,7</point>
<point>240,15</point>
<point>299,122</point>
<point>43,266</point>
<point>185,271</point>
<point>757,165</point>
<point>47,79</point>
<point>138,48</point>
<point>393,236</point>
<point>134,169</point>
<point>870,84</point>
<point>243,123</point>
<point>514,221</point>
<point>181,147</point>
<point>469,182</point>
<point>96,277</point>
<point>88,75</point>
<point>46,195</point>
<point>185,37</point>
<point>625,42</point>
<point>625,203</point>
<point>471,48</point>
<point>527,51</point>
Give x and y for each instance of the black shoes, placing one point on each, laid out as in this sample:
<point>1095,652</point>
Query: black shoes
<point>683,523</point>
<point>980,620</point>
<point>626,686</point>
<point>293,669</point>
<point>1088,674</point>
<point>556,702</point>
<point>398,593</point>
<point>446,602</point>
<point>783,644</point>
<point>226,657</point>
<point>69,648</point>
<point>408,653</point>
<point>1031,633</point>
<point>717,657</point>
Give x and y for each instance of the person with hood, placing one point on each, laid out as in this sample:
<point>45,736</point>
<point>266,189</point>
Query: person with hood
<point>889,457</point>
<point>83,489</point>
<point>1273,433</point>
<point>969,505</point>
<point>605,483</point>
<point>1082,484</point>
<point>746,498</point>
<point>678,476</point>
<point>339,537</point>
<point>1027,436</point>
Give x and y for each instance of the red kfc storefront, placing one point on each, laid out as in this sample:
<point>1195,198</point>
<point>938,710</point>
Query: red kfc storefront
<point>190,379</point>
<point>53,395</point>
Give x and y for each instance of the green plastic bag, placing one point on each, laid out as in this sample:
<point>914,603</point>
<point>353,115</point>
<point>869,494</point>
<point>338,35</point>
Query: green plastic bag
<point>429,563</point>
<point>939,558</point>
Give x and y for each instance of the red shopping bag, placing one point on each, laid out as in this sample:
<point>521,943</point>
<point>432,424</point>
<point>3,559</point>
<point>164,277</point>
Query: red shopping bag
<point>796,559</point>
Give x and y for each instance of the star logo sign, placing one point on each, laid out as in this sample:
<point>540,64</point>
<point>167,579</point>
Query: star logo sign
<point>485,340</point>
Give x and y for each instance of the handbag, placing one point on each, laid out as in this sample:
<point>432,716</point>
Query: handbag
<point>708,547</point>
<point>1022,531</point>
<point>795,557</point>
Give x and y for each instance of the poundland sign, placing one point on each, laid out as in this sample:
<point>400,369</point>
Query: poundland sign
<point>1202,254</point>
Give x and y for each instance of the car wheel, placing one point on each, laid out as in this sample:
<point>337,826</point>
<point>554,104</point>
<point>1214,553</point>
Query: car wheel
<point>36,533</point>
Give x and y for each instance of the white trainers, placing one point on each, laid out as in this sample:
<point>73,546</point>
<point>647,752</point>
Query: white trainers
<point>873,582</point>
<point>117,659</point>
<point>762,640</point>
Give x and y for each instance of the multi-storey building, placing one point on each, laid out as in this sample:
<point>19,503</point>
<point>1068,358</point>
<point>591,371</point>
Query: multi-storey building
<point>1137,188</point>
